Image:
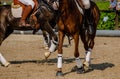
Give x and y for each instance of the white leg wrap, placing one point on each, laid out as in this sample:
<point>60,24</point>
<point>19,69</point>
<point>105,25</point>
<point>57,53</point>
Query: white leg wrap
<point>86,3</point>
<point>59,62</point>
<point>2,59</point>
<point>78,62</point>
<point>53,46</point>
<point>88,55</point>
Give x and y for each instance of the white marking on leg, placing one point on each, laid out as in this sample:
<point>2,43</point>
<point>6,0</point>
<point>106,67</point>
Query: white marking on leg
<point>78,62</point>
<point>59,62</point>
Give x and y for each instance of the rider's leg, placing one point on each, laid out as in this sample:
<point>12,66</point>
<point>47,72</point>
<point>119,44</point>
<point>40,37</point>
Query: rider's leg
<point>29,6</point>
<point>87,11</point>
<point>25,14</point>
<point>89,15</point>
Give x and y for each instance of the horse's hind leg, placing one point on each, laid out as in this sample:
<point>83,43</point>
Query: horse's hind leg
<point>3,35</point>
<point>3,61</point>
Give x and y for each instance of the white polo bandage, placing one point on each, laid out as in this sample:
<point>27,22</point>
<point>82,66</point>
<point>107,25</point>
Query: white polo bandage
<point>2,59</point>
<point>88,56</point>
<point>59,62</point>
<point>78,62</point>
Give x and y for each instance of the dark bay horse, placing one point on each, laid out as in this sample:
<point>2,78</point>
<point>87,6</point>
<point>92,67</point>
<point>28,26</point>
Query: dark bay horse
<point>71,22</point>
<point>44,16</point>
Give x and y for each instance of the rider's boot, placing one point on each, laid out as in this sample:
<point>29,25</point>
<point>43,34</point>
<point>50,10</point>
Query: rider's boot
<point>89,19</point>
<point>89,16</point>
<point>25,14</point>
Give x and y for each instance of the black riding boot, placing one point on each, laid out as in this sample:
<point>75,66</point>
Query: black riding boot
<point>89,16</point>
<point>89,20</point>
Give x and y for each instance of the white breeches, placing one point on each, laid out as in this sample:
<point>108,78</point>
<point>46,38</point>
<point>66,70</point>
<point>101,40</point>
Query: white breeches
<point>86,4</point>
<point>28,2</point>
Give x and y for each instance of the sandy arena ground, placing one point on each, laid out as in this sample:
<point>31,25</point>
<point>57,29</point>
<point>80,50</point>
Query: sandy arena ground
<point>26,55</point>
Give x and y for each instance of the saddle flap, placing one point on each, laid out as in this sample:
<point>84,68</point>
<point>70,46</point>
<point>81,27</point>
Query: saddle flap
<point>16,10</point>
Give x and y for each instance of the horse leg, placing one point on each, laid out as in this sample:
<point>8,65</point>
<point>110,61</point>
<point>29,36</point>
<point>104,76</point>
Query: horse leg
<point>3,61</point>
<point>54,39</point>
<point>3,35</point>
<point>76,54</point>
<point>46,40</point>
<point>88,45</point>
<point>69,40</point>
<point>60,52</point>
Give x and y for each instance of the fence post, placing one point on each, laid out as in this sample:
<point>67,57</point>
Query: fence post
<point>116,21</point>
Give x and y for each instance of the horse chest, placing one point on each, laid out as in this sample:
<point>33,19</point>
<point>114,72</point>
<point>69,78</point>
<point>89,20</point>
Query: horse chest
<point>70,29</point>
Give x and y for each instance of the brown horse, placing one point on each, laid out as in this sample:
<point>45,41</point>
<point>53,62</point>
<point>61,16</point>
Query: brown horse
<point>46,19</point>
<point>71,22</point>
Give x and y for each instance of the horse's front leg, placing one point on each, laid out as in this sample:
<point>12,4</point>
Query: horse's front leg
<point>60,52</point>
<point>76,54</point>
<point>54,39</point>
<point>88,41</point>
<point>46,40</point>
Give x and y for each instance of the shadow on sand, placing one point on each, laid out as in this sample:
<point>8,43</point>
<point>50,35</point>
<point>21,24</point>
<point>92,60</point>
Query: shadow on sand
<point>99,66</point>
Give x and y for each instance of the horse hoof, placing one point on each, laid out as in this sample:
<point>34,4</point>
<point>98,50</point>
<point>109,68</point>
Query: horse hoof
<point>78,70</point>
<point>59,73</point>
<point>47,54</point>
<point>6,64</point>
<point>86,66</point>
<point>46,48</point>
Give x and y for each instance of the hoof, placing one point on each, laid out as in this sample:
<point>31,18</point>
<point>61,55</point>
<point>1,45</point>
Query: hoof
<point>59,73</point>
<point>6,64</point>
<point>86,66</point>
<point>46,48</point>
<point>47,54</point>
<point>78,70</point>
<point>74,69</point>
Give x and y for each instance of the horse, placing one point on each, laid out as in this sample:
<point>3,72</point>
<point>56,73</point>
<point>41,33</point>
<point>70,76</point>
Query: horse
<point>71,22</point>
<point>43,18</point>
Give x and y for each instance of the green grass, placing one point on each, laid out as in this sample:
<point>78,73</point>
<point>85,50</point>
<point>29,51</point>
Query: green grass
<point>110,23</point>
<point>103,5</point>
